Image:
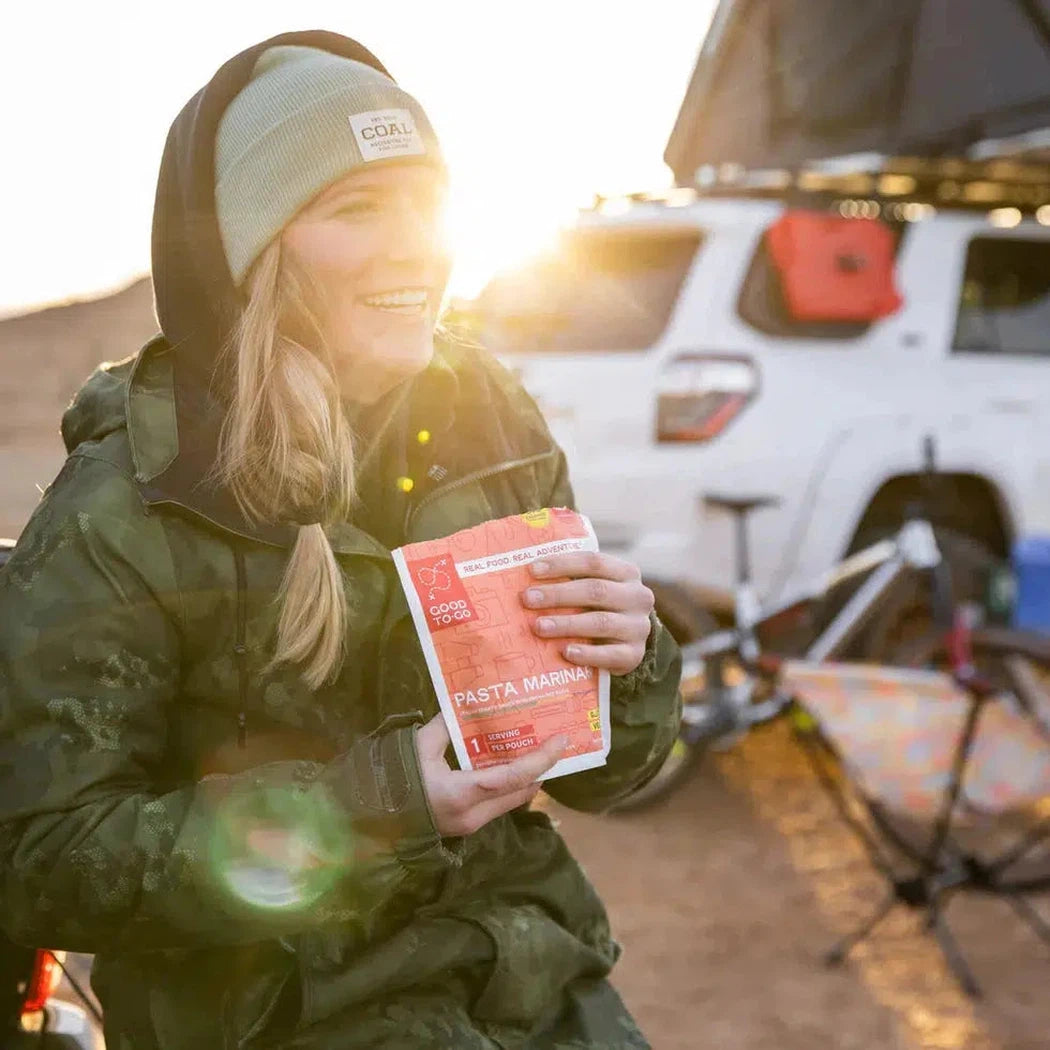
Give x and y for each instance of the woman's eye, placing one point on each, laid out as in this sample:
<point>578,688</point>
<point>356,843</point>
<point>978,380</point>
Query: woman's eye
<point>357,209</point>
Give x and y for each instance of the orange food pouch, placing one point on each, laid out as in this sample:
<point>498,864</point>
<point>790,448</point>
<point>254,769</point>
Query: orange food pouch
<point>503,690</point>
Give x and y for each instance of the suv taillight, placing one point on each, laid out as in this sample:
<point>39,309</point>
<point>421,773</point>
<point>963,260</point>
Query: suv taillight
<point>46,976</point>
<point>699,395</point>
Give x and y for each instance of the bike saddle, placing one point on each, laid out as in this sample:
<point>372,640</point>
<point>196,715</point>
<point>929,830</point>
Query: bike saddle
<point>740,504</point>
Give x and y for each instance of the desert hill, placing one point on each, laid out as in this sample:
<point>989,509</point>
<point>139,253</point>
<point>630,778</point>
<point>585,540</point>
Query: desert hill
<point>44,357</point>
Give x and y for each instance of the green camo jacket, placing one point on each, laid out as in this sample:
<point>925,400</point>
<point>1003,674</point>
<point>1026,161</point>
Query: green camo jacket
<point>140,734</point>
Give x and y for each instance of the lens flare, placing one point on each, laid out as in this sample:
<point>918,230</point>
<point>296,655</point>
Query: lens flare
<point>279,849</point>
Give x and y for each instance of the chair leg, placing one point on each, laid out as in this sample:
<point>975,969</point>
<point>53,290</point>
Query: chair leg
<point>876,855</point>
<point>836,956</point>
<point>1039,926</point>
<point>936,922</point>
<point>1032,838</point>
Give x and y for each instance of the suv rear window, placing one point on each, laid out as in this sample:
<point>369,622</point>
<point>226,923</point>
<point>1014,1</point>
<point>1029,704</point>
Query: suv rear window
<point>603,290</point>
<point>1004,304</point>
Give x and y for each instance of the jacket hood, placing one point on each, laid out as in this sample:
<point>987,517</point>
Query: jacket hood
<point>195,298</point>
<point>137,396</point>
<point>99,406</point>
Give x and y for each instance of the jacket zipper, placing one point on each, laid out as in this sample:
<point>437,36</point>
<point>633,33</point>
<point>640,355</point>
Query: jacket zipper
<point>468,479</point>
<point>240,650</point>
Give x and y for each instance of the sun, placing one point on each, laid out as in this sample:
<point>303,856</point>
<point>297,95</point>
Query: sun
<point>491,229</point>
<point>501,215</point>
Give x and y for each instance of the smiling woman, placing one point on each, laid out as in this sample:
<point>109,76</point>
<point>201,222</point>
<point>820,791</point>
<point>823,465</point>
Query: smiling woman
<point>255,826</point>
<point>318,236</point>
<point>372,245</point>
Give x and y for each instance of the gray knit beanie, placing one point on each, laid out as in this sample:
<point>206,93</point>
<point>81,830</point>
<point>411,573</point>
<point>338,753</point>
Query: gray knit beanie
<point>306,118</point>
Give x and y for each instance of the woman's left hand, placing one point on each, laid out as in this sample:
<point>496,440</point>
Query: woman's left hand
<point>618,605</point>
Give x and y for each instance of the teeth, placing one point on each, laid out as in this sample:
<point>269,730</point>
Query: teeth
<point>411,297</point>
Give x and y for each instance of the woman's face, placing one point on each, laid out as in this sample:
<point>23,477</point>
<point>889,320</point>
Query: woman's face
<point>372,245</point>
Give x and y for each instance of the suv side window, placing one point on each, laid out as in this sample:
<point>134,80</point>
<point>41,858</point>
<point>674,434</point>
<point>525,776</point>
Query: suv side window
<point>603,290</point>
<point>1004,303</point>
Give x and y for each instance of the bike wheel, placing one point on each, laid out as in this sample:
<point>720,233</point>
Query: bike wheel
<point>676,768</point>
<point>704,725</point>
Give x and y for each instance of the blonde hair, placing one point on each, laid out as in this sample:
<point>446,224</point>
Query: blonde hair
<point>286,453</point>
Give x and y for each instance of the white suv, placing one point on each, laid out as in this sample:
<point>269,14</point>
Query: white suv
<point>668,368</point>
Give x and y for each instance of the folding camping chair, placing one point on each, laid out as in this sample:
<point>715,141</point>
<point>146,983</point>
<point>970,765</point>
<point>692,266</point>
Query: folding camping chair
<point>944,772</point>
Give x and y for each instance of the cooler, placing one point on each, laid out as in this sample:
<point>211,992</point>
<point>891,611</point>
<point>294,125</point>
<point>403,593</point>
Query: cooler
<point>1031,563</point>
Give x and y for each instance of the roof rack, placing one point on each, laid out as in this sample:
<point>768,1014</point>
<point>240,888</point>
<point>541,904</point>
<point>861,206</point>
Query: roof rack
<point>1033,146</point>
<point>672,196</point>
<point>995,173</point>
<point>984,181</point>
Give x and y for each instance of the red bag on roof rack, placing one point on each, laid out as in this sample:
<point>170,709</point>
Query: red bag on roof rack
<point>833,268</point>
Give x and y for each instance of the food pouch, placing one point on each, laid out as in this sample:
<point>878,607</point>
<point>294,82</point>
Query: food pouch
<point>503,690</point>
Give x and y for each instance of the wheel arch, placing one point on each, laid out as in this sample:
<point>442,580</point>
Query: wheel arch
<point>967,503</point>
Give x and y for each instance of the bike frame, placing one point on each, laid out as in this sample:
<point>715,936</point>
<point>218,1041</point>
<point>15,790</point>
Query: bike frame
<point>913,549</point>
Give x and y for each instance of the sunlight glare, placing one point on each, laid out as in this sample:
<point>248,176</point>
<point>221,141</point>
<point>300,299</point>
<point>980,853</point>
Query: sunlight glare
<point>490,236</point>
<point>523,149</point>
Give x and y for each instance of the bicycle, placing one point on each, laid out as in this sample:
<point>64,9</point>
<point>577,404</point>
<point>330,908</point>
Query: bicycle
<point>728,678</point>
<point>732,682</point>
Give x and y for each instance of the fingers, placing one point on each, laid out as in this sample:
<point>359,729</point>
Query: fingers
<point>592,593</point>
<point>469,808</point>
<point>465,801</point>
<point>617,627</point>
<point>620,658</point>
<point>585,564</point>
<point>487,811</point>
<point>433,738</point>
<point>521,774</point>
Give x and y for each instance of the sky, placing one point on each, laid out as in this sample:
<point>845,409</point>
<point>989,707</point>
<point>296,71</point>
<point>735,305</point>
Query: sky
<point>538,105</point>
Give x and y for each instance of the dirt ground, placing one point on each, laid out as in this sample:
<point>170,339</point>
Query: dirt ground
<point>725,896</point>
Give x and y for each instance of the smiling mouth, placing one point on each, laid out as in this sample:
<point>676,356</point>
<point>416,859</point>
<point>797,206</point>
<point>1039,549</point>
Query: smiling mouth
<point>405,301</point>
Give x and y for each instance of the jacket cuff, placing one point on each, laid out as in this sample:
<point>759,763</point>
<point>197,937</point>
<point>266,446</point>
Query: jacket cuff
<point>380,783</point>
<point>652,669</point>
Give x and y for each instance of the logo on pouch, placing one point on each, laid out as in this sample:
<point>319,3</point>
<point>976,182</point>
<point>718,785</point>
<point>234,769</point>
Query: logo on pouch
<point>436,578</point>
<point>441,592</point>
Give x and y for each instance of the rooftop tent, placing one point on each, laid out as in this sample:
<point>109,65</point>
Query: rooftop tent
<point>781,82</point>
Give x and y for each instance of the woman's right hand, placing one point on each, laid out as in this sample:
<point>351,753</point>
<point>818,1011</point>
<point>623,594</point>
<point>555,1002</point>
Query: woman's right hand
<point>463,800</point>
